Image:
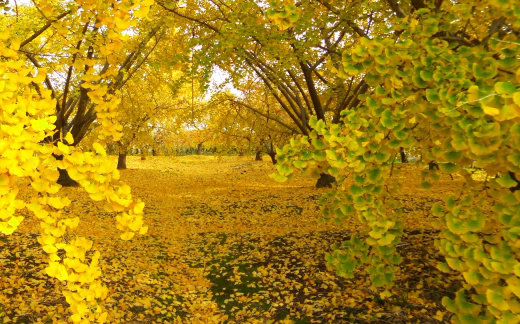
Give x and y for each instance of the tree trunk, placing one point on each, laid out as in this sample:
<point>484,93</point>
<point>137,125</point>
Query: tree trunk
<point>64,179</point>
<point>199,149</point>
<point>258,156</point>
<point>404,159</point>
<point>240,153</point>
<point>272,155</point>
<point>154,153</point>
<point>432,165</point>
<point>143,157</point>
<point>325,181</point>
<point>121,161</point>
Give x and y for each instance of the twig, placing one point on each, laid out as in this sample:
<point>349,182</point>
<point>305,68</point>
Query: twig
<point>467,102</point>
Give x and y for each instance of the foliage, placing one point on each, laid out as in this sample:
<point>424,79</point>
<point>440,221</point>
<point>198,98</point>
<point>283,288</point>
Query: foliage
<point>282,47</point>
<point>253,122</point>
<point>453,94</point>
<point>34,146</point>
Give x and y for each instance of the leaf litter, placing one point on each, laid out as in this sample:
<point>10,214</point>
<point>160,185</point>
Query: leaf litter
<point>227,244</point>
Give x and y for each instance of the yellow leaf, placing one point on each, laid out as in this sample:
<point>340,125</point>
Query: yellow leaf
<point>385,294</point>
<point>4,34</point>
<point>142,12</point>
<point>63,148</point>
<point>99,149</point>
<point>42,73</point>
<point>122,23</point>
<point>102,318</point>
<point>15,221</point>
<point>491,110</point>
<point>127,236</point>
<point>50,248</point>
<point>69,138</point>
<point>439,316</point>
<point>40,185</point>
<point>138,209</point>
<point>76,318</point>
<point>57,271</point>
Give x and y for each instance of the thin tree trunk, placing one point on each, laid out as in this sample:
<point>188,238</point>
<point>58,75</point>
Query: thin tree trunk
<point>258,156</point>
<point>199,149</point>
<point>404,159</point>
<point>272,155</point>
<point>154,153</point>
<point>121,161</point>
<point>325,181</point>
<point>143,157</point>
<point>432,165</point>
<point>64,179</point>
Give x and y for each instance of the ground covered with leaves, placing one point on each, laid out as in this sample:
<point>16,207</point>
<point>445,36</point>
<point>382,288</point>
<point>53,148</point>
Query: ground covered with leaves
<point>227,244</point>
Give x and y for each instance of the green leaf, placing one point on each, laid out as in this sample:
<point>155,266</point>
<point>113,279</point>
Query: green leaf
<point>468,319</point>
<point>448,167</point>
<point>382,157</point>
<point>444,267</point>
<point>283,169</point>
<point>505,88</point>
<point>319,144</point>
<point>437,210</point>
<point>506,181</point>
<point>422,11</point>
<point>449,304</point>
<point>359,180</point>
<point>319,125</point>
<point>453,156</point>
<point>313,121</point>
<point>278,177</point>
<point>356,191</point>
<point>426,76</point>
<point>319,156</point>
<point>488,72</point>
<point>374,175</point>
<point>514,158</point>
<point>473,277</point>
<point>496,299</point>
<point>464,306</point>
<point>353,146</point>
<point>386,240</point>
<point>300,164</point>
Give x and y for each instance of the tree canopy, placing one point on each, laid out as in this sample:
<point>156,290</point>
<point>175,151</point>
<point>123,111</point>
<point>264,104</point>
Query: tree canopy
<point>342,87</point>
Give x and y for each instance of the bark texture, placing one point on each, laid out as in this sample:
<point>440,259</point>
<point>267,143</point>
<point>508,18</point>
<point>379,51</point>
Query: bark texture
<point>404,159</point>
<point>121,161</point>
<point>64,179</point>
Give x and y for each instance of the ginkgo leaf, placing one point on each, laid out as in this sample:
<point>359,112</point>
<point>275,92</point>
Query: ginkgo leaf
<point>506,181</point>
<point>99,149</point>
<point>69,138</point>
<point>127,236</point>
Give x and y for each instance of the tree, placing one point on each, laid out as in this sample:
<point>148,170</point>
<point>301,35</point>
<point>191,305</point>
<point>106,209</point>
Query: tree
<point>147,101</point>
<point>89,64</point>
<point>290,57</point>
<point>36,142</point>
<point>442,77</point>
<point>253,121</point>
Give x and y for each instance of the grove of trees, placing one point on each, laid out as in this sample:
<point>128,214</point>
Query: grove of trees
<point>336,89</point>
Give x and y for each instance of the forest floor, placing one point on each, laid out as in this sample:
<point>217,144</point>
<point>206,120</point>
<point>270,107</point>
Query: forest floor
<point>227,244</point>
